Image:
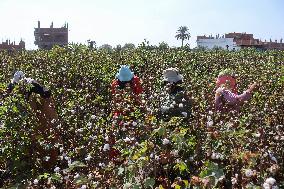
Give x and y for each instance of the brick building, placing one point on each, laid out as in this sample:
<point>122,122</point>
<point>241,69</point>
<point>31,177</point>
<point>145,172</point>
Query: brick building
<point>46,38</point>
<point>237,41</point>
<point>7,45</point>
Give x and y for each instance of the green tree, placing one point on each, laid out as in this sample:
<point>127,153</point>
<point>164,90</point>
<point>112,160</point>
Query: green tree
<point>183,34</point>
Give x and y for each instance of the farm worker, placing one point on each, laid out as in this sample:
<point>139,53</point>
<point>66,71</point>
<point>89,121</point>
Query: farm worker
<point>126,90</point>
<point>174,100</point>
<point>43,108</point>
<point>226,97</point>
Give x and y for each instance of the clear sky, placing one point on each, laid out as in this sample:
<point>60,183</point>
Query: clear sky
<point>131,21</point>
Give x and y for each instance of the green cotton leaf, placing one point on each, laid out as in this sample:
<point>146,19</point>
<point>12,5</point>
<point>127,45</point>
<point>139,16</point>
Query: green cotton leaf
<point>136,186</point>
<point>15,109</point>
<point>81,180</point>
<point>76,164</point>
<point>161,131</point>
<point>149,182</point>
<point>44,176</point>
<point>56,177</point>
<point>181,167</point>
<point>177,186</point>
<point>212,169</point>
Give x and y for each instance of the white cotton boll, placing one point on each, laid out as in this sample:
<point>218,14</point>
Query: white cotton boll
<point>213,155</point>
<point>134,123</point>
<point>61,149</point>
<point>101,164</point>
<point>165,141</point>
<point>234,181</point>
<point>248,173</point>
<point>80,130</point>
<point>106,147</point>
<point>151,155</point>
<point>143,101</point>
<point>107,138</point>
<point>266,186</point>
<point>271,181</point>
<point>257,135</point>
<point>183,100</point>
<point>72,111</point>
<point>76,176</point>
<point>210,123</point>
<point>83,186</point>
<point>90,176</point>
<point>88,158</point>
<point>274,187</point>
<point>93,117</point>
<point>172,106</point>
<point>184,114</point>
<point>123,129</point>
<point>164,108</point>
<point>180,105</point>
<point>35,181</point>
<point>174,153</point>
<point>126,139</point>
<point>174,103</point>
<point>46,158</point>
<point>57,169</point>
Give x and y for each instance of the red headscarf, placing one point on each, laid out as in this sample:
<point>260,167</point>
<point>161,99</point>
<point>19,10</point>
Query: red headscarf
<point>224,78</point>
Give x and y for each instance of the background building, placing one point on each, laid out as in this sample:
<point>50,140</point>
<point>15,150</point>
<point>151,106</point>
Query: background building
<point>46,38</point>
<point>12,46</point>
<point>236,41</point>
<point>216,42</point>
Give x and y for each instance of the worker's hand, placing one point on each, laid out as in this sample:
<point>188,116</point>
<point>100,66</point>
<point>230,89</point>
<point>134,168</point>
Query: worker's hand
<point>253,87</point>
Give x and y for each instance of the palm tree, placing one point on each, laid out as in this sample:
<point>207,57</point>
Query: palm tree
<point>183,34</point>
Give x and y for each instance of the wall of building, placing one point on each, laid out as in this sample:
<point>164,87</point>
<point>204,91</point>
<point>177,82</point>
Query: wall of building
<point>219,42</point>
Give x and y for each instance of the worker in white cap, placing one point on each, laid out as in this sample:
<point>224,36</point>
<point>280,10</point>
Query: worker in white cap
<point>174,101</point>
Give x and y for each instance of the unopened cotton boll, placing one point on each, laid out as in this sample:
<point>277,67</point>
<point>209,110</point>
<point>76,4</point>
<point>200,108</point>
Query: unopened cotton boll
<point>106,147</point>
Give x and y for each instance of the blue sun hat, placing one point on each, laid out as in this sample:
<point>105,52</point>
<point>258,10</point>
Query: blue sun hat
<point>124,73</point>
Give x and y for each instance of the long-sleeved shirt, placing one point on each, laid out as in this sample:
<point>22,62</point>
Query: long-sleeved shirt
<point>226,100</point>
<point>35,88</point>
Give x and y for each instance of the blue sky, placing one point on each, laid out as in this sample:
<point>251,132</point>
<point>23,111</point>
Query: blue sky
<point>131,21</point>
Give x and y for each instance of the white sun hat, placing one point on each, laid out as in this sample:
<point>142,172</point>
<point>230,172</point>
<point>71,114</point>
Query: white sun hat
<point>18,76</point>
<point>172,75</point>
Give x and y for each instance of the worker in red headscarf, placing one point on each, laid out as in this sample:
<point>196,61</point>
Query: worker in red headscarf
<point>226,97</point>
